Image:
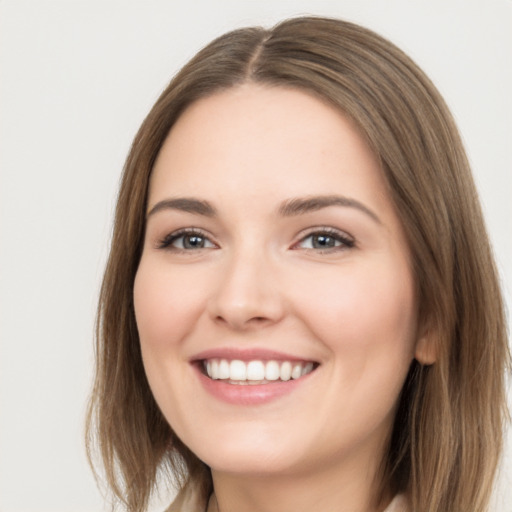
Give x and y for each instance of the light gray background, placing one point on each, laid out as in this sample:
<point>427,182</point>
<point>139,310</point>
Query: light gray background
<point>76,79</point>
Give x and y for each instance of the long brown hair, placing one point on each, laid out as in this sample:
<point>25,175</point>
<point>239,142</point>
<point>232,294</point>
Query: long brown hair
<point>447,437</point>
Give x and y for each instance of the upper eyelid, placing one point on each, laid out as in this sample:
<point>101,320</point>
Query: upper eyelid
<point>324,229</point>
<point>348,241</point>
<point>166,240</point>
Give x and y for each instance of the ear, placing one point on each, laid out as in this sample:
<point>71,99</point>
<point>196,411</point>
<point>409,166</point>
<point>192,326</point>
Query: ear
<point>426,350</point>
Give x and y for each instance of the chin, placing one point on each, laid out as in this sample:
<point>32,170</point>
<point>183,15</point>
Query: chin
<point>252,464</point>
<point>252,455</point>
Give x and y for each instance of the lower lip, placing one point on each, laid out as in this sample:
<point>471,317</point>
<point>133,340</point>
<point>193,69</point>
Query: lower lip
<point>249,394</point>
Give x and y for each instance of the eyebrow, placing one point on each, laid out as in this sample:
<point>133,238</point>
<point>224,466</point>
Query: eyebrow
<point>185,204</point>
<point>289,208</point>
<point>300,205</point>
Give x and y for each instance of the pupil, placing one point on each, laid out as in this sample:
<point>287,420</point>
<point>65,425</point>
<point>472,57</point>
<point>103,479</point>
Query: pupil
<point>193,242</point>
<point>320,241</point>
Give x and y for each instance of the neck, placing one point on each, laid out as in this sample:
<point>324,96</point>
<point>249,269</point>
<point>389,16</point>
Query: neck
<point>326,490</point>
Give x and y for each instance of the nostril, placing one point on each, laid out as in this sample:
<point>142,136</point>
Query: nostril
<point>257,319</point>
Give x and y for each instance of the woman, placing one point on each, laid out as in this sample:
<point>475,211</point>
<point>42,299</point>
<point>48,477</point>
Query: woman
<point>300,309</point>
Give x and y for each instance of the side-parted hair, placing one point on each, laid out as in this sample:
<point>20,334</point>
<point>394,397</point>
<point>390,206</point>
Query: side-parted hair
<point>447,437</point>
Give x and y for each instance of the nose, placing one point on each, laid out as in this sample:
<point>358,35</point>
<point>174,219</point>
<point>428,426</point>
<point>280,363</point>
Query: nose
<point>247,296</point>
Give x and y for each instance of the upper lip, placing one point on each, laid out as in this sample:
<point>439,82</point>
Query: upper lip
<point>247,354</point>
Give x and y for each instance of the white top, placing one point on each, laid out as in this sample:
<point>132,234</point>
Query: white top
<point>189,501</point>
<point>399,504</point>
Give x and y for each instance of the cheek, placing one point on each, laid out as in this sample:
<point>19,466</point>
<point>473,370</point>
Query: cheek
<point>167,305</point>
<point>367,320</point>
<point>364,312</point>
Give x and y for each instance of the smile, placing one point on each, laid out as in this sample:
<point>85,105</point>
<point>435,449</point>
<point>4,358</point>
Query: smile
<point>255,372</point>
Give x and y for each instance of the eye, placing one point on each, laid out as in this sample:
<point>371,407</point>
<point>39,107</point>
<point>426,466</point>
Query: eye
<point>186,240</point>
<point>325,239</point>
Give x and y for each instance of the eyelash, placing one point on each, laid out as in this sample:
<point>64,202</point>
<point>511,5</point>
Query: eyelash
<point>168,240</point>
<point>344,241</point>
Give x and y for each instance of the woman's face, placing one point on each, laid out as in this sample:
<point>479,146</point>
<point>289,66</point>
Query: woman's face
<point>274,299</point>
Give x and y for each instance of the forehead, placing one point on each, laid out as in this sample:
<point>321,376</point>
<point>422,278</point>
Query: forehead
<point>260,139</point>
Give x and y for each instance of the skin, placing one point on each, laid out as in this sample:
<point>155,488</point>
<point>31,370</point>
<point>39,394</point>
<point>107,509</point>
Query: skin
<point>259,282</point>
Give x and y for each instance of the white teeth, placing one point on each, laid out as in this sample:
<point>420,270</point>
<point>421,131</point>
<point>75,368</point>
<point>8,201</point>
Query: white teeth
<point>286,370</point>
<point>214,369</point>
<point>308,368</point>
<point>296,370</point>
<point>272,371</point>
<point>257,371</point>
<point>224,369</point>
<point>237,370</point>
